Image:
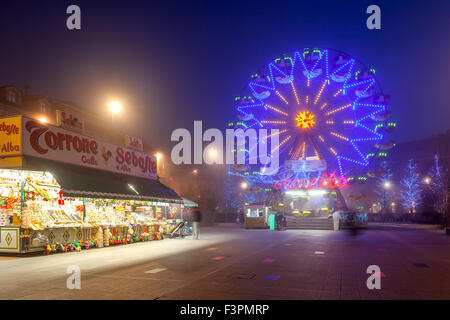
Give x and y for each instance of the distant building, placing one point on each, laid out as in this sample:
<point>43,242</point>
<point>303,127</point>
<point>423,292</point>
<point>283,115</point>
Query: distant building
<point>14,101</point>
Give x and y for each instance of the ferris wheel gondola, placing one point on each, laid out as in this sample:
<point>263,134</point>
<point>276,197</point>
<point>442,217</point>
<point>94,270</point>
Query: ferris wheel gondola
<point>382,116</point>
<point>385,145</point>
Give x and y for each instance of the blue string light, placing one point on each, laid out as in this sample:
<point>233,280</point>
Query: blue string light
<point>341,67</point>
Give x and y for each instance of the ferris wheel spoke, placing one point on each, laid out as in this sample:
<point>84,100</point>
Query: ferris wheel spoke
<point>295,93</point>
<point>320,91</point>
<point>275,134</point>
<point>338,109</point>
<point>277,110</point>
<point>273,122</point>
<point>281,97</point>
<point>282,142</point>
<point>299,146</point>
<point>337,135</point>
<point>337,93</point>
<point>315,146</point>
<point>329,148</point>
<point>323,106</point>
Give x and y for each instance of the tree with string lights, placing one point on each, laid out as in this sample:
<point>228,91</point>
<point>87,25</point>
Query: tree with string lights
<point>438,186</point>
<point>411,188</point>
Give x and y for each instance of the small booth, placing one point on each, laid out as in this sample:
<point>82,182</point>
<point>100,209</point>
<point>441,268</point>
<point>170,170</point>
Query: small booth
<point>62,191</point>
<point>256,215</point>
<point>186,208</point>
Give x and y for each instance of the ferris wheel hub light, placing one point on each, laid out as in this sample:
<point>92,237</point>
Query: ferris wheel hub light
<point>305,120</point>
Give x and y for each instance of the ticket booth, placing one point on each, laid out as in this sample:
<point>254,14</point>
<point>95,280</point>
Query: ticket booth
<point>256,215</point>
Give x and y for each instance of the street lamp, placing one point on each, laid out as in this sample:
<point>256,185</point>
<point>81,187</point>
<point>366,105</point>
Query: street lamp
<point>42,119</point>
<point>244,185</point>
<point>212,156</point>
<point>427,180</point>
<point>213,153</point>
<point>114,107</point>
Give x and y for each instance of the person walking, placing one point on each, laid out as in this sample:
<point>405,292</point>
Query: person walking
<point>278,221</point>
<point>196,219</point>
<point>336,218</point>
<point>284,223</point>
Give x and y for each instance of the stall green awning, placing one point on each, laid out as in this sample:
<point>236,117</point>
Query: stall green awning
<point>92,183</point>
<point>189,203</point>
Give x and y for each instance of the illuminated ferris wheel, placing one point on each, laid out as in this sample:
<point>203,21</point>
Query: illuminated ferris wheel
<point>328,107</point>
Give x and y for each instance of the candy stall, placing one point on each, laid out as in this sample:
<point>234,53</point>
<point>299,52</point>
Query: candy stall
<point>61,206</point>
<point>35,215</point>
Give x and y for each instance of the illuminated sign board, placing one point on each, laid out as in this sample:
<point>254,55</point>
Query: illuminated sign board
<point>10,136</point>
<point>69,121</point>
<point>326,181</point>
<point>25,136</point>
<point>134,143</point>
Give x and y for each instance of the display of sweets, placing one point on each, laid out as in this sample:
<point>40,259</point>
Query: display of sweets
<point>106,237</point>
<point>26,220</point>
<point>39,218</point>
<point>97,217</point>
<point>99,237</point>
<point>141,218</point>
<point>4,217</point>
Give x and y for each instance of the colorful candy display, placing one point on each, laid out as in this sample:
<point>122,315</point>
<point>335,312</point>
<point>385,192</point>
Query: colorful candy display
<point>49,221</point>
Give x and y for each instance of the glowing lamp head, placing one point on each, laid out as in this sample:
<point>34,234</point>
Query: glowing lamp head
<point>42,119</point>
<point>305,120</point>
<point>115,106</point>
<point>213,152</point>
<point>158,155</point>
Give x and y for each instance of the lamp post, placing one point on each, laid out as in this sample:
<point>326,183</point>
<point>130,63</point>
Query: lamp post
<point>386,185</point>
<point>159,165</point>
<point>195,173</point>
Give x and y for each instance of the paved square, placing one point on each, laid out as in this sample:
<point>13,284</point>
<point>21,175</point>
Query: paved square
<point>245,264</point>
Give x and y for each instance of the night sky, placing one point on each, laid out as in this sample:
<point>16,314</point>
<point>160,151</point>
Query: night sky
<point>171,63</point>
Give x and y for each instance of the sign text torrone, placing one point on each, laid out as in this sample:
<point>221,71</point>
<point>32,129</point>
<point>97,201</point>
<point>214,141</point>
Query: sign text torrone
<point>53,143</point>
